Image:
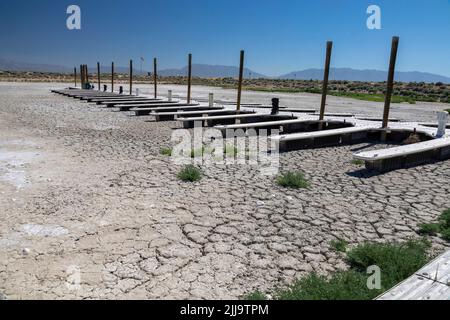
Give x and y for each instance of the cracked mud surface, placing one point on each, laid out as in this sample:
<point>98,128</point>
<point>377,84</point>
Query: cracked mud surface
<point>84,191</point>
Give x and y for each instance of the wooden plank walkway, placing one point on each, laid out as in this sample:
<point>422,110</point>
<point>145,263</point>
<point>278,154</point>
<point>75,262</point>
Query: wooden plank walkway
<point>404,150</point>
<point>319,134</point>
<point>432,282</point>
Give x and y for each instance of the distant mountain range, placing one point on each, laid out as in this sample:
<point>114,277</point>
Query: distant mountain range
<point>365,75</point>
<point>212,71</point>
<point>218,71</point>
<point>9,65</point>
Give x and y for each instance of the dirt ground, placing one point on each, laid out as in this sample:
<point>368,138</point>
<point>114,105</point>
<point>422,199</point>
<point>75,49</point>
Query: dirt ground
<point>90,209</point>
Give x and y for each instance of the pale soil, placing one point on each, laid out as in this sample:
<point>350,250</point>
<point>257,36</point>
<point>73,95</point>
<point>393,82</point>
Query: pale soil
<point>84,188</point>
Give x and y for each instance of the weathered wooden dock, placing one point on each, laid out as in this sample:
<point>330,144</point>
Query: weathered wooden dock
<point>432,282</point>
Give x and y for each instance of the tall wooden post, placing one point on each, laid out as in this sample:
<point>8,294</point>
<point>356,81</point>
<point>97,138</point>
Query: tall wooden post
<point>98,75</point>
<point>155,77</point>
<point>75,75</point>
<point>390,83</point>
<point>131,77</point>
<point>112,76</point>
<point>325,80</point>
<point>87,73</point>
<point>189,78</point>
<point>241,76</point>
<point>82,76</point>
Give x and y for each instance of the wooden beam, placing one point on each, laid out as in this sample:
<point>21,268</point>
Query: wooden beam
<point>189,77</point>
<point>98,75</point>
<point>131,77</point>
<point>390,82</point>
<point>155,77</point>
<point>241,76</point>
<point>325,80</point>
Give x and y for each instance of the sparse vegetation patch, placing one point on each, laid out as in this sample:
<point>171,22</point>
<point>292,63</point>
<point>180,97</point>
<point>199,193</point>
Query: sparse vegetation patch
<point>294,180</point>
<point>396,262</point>
<point>190,174</point>
<point>442,227</point>
<point>166,151</point>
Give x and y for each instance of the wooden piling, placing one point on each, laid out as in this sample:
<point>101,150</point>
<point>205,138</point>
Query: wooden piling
<point>81,76</point>
<point>155,77</point>
<point>112,76</point>
<point>326,74</point>
<point>84,76</point>
<point>87,73</point>
<point>75,75</point>
<point>241,76</point>
<point>189,78</point>
<point>131,77</point>
<point>98,75</point>
<point>390,84</point>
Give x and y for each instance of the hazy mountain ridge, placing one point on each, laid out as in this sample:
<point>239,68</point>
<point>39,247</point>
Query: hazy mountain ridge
<point>220,71</point>
<point>365,75</point>
<point>10,65</point>
<point>211,71</point>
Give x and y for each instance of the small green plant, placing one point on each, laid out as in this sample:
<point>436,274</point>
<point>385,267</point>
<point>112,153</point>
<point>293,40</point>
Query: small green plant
<point>396,261</point>
<point>200,152</point>
<point>230,150</point>
<point>446,234</point>
<point>294,180</point>
<point>358,162</point>
<point>256,296</point>
<point>442,227</point>
<point>342,285</point>
<point>444,219</point>
<point>430,229</point>
<point>190,173</point>
<point>166,151</point>
<point>339,245</point>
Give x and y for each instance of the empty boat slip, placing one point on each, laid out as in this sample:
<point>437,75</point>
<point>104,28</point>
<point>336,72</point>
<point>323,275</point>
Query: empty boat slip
<point>230,119</point>
<point>116,98</point>
<point>144,106</point>
<point>166,116</point>
<point>406,155</point>
<point>314,111</point>
<point>124,103</point>
<point>321,138</point>
<point>169,108</point>
<point>121,98</point>
<point>291,125</point>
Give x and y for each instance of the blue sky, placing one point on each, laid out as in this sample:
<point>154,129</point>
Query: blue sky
<point>278,36</point>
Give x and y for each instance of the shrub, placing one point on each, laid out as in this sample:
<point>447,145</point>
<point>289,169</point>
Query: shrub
<point>339,245</point>
<point>442,227</point>
<point>444,219</point>
<point>166,151</point>
<point>397,261</point>
<point>294,180</point>
<point>358,162</point>
<point>190,173</point>
<point>343,285</point>
<point>445,234</point>
<point>256,296</point>
<point>201,151</point>
<point>230,150</point>
<point>429,229</point>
